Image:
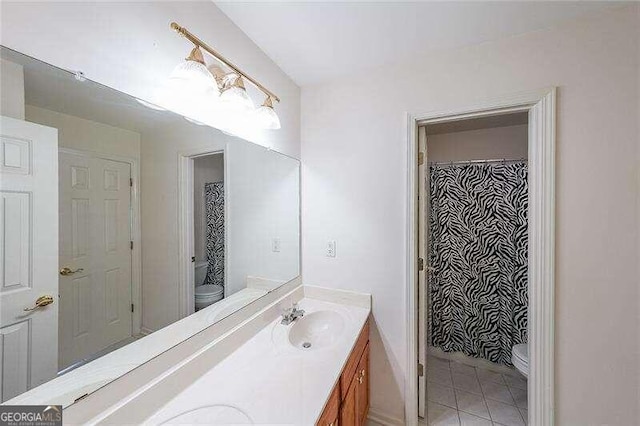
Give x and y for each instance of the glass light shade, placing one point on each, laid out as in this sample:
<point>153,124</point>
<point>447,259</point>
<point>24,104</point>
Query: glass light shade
<point>150,105</point>
<point>236,98</point>
<point>194,74</point>
<point>267,118</point>
<point>189,90</point>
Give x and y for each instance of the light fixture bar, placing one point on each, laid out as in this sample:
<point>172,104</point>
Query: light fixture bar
<point>195,40</point>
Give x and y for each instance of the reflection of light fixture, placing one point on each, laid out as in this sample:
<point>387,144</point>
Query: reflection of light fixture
<point>266,116</point>
<point>233,93</point>
<point>150,105</point>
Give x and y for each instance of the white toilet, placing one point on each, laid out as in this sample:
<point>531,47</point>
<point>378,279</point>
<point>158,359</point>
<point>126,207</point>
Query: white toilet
<point>206,294</point>
<point>520,358</point>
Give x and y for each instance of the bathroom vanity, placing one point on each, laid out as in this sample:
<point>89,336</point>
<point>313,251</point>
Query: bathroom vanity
<point>348,403</point>
<point>312,371</point>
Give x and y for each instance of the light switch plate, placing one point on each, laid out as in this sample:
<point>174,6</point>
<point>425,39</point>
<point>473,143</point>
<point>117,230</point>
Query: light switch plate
<point>331,249</point>
<point>275,245</point>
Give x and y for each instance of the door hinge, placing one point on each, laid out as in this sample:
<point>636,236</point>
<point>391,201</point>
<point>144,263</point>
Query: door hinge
<point>420,158</point>
<point>131,182</point>
<point>420,264</point>
<point>420,370</point>
<point>193,259</point>
<point>132,307</point>
<point>131,245</point>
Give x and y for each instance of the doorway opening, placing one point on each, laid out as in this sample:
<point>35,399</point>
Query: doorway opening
<point>539,107</point>
<point>203,206</point>
<point>473,239</point>
<point>208,229</point>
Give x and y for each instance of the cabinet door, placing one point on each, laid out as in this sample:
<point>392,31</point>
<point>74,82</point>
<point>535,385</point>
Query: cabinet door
<point>331,411</point>
<point>348,416</point>
<point>362,387</point>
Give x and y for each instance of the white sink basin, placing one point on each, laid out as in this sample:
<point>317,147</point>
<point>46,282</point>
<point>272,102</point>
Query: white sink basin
<point>211,415</point>
<point>317,330</point>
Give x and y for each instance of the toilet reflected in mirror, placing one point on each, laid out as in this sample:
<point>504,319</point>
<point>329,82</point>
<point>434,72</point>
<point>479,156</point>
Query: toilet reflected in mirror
<point>206,294</point>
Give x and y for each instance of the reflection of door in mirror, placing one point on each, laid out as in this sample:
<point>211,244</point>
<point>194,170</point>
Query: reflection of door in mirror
<point>95,245</point>
<point>29,253</point>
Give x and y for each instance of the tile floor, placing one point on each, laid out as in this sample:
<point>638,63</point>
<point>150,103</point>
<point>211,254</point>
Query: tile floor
<point>458,394</point>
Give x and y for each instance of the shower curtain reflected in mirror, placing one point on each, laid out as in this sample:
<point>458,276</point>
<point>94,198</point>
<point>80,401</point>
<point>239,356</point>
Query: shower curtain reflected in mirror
<point>214,211</point>
<point>478,254</point>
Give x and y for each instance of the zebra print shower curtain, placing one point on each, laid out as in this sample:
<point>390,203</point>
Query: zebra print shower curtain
<point>214,245</point>
<point>478,253</point>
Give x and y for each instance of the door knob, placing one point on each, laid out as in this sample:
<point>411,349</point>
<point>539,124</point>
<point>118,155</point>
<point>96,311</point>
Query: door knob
<point>40,302</point>
<point>68,271</point>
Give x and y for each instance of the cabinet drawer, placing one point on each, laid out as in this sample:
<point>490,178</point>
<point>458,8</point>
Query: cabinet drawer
<point>352,363</point>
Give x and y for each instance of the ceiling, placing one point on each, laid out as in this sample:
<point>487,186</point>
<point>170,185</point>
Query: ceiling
<point>318,41</point>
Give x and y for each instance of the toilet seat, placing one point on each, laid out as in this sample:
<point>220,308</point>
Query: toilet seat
<point>520,358</point>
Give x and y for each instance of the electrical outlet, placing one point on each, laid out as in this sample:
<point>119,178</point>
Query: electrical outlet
<point>331,249</point>
<point>275,245</point>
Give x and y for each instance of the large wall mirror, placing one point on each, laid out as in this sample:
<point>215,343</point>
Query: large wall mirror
<point>125,230</point>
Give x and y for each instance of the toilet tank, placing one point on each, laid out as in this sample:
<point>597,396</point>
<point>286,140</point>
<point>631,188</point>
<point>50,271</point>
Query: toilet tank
<point>201,272</point>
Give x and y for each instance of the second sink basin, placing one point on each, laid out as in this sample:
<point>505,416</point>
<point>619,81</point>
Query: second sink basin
<point>317,330</point>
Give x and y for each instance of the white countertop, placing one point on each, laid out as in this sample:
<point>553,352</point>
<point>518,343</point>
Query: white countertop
<point>63,390</point>
<point>266,380</point>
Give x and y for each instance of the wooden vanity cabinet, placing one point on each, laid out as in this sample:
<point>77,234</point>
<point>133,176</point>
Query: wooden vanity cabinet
<point>348,404</point>
<point>362,388</point>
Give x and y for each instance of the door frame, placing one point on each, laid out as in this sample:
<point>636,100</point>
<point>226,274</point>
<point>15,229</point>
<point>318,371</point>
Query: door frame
<point>134,221</point>
<point>186,241</point>
<point>541,106</point>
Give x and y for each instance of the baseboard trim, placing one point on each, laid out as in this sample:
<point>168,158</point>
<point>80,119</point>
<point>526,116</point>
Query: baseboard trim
<point>383,419</point>
<point>144,331</point>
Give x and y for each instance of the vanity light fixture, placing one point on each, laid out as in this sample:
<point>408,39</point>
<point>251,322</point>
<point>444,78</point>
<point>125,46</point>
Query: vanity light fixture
<point>230,86</point>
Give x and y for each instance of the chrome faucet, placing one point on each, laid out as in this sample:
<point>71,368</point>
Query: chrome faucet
<point>291,314</point>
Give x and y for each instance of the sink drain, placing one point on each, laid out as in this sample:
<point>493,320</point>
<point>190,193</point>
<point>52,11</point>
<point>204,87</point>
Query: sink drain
<point>306,345</point>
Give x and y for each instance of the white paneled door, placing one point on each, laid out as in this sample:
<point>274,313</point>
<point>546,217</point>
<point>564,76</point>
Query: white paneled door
<point>95,249</point>
<point>29,256</point>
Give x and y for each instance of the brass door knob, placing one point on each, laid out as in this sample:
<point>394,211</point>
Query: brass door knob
<point>41,302</point>
<point>68,271</point>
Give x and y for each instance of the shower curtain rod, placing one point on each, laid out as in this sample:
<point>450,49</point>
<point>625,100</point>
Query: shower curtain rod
<point>494,160</point>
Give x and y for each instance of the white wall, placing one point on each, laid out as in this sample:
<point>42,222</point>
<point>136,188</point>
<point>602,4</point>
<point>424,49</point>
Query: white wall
<point>12,88</point>
<point>354,192</point>
<point>130,47</point>
<point>205,170</point>
<point>483,144</point>
<point>87,135</point>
